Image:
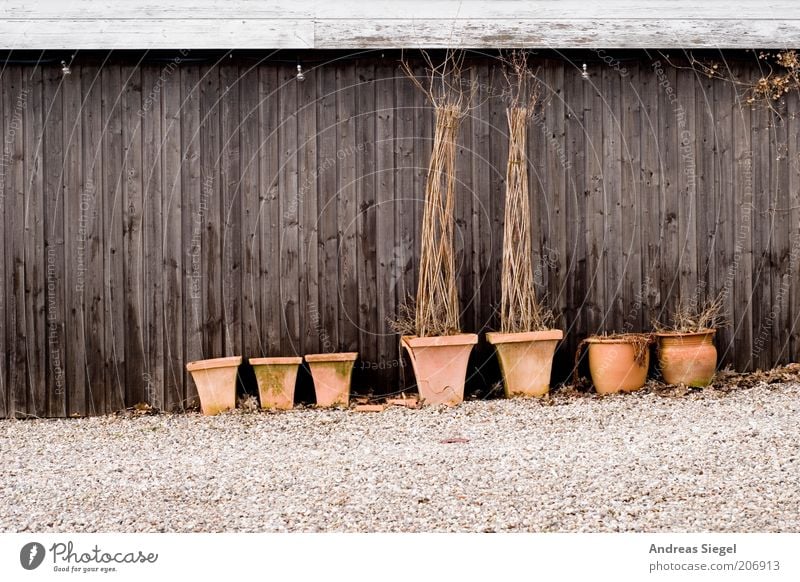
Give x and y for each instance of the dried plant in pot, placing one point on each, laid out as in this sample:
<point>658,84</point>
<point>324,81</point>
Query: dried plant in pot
<point>617,362</point>
<point>439,352</point>
<point>685,348</point>
<point>526,342</point>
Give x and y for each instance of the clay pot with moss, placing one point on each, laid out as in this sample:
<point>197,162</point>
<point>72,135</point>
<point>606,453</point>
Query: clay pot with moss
<point>276,378</point>
<point>332,374</point>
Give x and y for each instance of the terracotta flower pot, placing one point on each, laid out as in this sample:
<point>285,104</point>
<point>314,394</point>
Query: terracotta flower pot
<point>216,383</point>
<point>618,363</point>
<point>276,378</point>
<point>440,366</point>
<point>526,360</point>
<point>331,374</point>
<point>687,358</point>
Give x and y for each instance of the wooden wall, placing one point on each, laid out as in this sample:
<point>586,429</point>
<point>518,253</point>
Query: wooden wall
<point>160,210</point>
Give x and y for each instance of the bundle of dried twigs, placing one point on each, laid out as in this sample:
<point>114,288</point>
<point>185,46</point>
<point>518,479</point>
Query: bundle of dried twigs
<point>519,309</point>
<point>447,87</point>
<point>692,316</point>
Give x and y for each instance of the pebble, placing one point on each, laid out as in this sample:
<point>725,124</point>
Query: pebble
<point>634,462</point>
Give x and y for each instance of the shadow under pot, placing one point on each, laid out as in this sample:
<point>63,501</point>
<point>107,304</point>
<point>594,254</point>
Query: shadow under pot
<point>216,383</point>
<point>618,363</point>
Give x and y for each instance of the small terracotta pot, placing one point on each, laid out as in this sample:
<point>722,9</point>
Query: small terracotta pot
<point>440,366</point>
<point>687,358</point>
<point>526,360</point>
<point>332,374</point>
<point>614,366</point>
<point>276,379</point>
<point>216,383</point>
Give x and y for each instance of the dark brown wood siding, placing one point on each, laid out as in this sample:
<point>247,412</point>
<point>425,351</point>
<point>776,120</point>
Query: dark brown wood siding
<point>160,210</point>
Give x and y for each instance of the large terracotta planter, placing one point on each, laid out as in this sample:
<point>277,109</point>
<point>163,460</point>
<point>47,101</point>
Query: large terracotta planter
<point>526,360</point>
<point>440,366</point>
<point>216,383</point>
<point>618,363</point>
<point>276,378</point>
<point>687,358</point>
<point>331,374</point>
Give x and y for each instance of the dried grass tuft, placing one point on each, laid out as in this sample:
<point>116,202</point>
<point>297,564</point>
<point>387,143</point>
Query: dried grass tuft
<point>692,317</point>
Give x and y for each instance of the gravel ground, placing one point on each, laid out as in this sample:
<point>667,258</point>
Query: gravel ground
<point>706,461</point>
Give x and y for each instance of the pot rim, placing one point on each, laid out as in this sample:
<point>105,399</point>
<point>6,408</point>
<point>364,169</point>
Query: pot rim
<point>461,339</point>
<point>227,362</point>
<point>332,357</point>
<point>497,337</point>
<point>627,339</point>
<point>708,331</point>
<point>279,360</point>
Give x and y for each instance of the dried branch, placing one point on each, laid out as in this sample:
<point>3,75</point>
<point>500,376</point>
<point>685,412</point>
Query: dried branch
<point>519,309</point>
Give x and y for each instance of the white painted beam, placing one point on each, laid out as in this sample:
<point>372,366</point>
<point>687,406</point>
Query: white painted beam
<point>355,24</point>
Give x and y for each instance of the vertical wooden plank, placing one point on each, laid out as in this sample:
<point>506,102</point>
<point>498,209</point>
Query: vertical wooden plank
<point>153,235</point>
<point>90,236</point>
<point>132,234</point>
<point>209,208</point>
<point>554,256</point>
<point>480,225</point>
<point>113,227</point>
<point>195,220</point>
<point>794,224</point>
<point>763,226</point>
<point>4,296</point>
<point>35,315</point>
<point>370,328</point>
<point>650,176</point>
<point>328,260</point>
<point>269,215</point>
<point>539,189</point>
<point>687,190</point>
<point>407,141</point>
<point>498,151</point>
<point>780,247</point>
<point>576,321</point>
<point>250,194</point>
<point>633,298</point>
<point>172,209</point>
<point>707,203</point>
<point>615,267</point>
<point>308,256</point>
<point>465,195</point>
<point>54,242</point>
<point>385,193</point>
<point>423,127</point>
<point>669,109</point>
<point>75,261</point>
<point>289,194</point>
<point>726,235</point>
<point>596,220</point>
<point>230,180</point>
<point>346,206</point>
<point>13,159</point>
<point>742,316</point>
